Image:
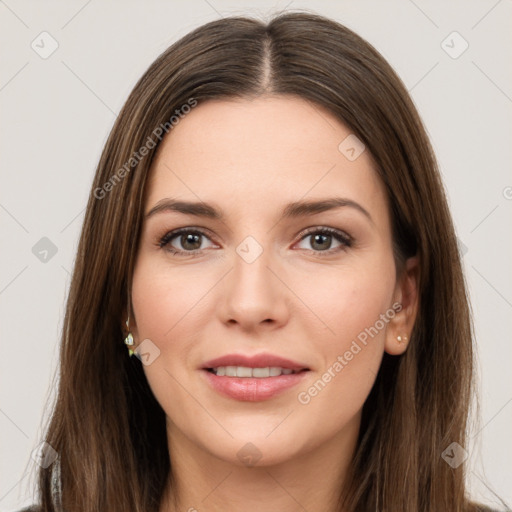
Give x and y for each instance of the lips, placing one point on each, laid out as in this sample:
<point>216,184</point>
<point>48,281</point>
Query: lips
<point>249,387</point>
<point>256,361</point>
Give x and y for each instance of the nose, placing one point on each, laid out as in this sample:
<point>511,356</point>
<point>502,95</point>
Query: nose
<point>253,295</point>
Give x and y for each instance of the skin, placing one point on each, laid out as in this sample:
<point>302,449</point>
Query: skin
<point>250,158</point>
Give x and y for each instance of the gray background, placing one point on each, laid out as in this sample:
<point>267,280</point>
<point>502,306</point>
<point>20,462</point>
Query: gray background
<point>57,112</point>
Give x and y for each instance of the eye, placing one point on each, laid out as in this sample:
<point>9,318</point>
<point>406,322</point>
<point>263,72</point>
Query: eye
<point>321,240</point>
<point>189,241</point>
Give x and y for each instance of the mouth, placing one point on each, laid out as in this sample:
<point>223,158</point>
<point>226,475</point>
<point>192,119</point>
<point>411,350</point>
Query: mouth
<point>254,365</point>
<point>256,373</point>
<point>254,377</point>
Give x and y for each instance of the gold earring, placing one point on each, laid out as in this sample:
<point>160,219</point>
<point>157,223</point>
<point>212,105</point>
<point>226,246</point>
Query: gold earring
<point>402,339</point>
<point>129,338</point>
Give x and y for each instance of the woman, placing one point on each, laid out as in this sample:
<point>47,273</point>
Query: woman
<point>314,348</point>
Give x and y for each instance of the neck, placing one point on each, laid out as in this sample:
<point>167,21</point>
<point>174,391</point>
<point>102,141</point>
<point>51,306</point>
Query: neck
<point>310,480</point>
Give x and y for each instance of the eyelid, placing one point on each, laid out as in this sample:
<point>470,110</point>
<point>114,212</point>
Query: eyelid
<point>345,240</point>
<point>342,237</point>
<point>164,241</point>
<point>325,229</point>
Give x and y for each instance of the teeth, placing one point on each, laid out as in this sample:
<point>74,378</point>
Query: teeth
<point>244,371</point>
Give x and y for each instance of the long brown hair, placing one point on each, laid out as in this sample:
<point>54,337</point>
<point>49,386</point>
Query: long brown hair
<point>107,427</point>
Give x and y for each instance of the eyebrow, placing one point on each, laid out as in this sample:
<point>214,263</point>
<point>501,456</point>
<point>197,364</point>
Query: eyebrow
<point>291,210</point>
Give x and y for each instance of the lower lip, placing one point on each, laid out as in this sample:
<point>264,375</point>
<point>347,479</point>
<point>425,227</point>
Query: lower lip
<point>253,389</point>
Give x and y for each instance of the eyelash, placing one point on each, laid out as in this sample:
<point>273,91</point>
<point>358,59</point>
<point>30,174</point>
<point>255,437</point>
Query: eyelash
<point>345,240</point>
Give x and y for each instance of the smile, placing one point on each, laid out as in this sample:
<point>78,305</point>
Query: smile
<point>245,371</point>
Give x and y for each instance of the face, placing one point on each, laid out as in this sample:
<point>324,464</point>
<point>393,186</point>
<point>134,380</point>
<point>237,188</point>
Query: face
<point>243,273</point>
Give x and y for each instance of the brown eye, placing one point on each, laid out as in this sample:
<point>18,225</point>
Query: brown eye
<point>190,241</point>
<point>183,241</point>
<point>321,240</point>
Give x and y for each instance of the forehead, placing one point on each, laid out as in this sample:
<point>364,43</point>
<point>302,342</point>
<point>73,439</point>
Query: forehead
<point>260,152</point>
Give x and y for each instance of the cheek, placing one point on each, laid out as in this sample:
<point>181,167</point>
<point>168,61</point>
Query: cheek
<point>167,309</point>
<point>345,301</point>
<point>164,298</point>
<point>353,305</point>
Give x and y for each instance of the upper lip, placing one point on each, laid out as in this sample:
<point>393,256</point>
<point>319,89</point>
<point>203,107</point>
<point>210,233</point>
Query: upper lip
<point>255,361</point>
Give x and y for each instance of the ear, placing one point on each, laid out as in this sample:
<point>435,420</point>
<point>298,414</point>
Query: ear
<point>407,295</point>
<point>129,324</point>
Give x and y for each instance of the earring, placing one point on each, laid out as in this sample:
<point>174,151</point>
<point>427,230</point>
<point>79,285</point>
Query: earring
<point>402,339</point>
<point>129,338</point>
